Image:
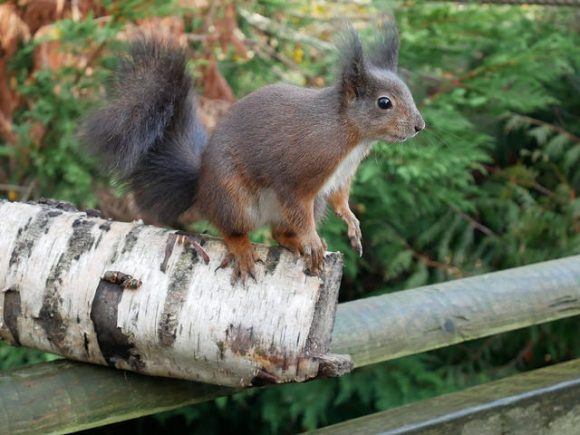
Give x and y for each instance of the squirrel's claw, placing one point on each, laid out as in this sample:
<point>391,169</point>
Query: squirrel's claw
<point>313,253</point>
<point>355,236</point>
<point>225,262</point>
<point>357,246</point>
<point>183,238</point>
<point>244,266</point>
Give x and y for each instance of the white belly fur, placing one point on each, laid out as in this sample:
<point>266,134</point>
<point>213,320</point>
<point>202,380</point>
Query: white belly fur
<point>346,169</point>
<point>266,210</point>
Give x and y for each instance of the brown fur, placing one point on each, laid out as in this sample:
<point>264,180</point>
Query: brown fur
<point>281,144</point>
<point>254,149</point>
<point>276,158</point>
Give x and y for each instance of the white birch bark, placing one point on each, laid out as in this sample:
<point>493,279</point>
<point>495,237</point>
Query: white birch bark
<point>184,321</point>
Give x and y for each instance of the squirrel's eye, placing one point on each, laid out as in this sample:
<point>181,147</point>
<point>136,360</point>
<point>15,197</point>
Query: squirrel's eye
<point>384,103</point>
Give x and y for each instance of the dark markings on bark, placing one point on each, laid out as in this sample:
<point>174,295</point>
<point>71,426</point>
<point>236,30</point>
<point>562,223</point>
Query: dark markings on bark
<point>53,203</point>
<point>28,235</point>
<point>53,323</point>
<point>169,245</point>
<point>98,242</point>
<point>86,343</point>
<point>104,227</point>
<point>176,295</point>
<point>272,259</point>
<point>239,339</point>
<point>12,311</point>
<point>319,335</point>
<point>115,346</point>
<point>49,316</point>
<point>221,348</point>
<point>262,378</point>
<point>131,238</point>
<point>115,252</point>
<point>94,213</point>
<point>566,303</point>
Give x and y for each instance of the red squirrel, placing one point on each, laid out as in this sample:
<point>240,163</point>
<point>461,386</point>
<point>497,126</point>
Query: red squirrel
<point>277,157</point>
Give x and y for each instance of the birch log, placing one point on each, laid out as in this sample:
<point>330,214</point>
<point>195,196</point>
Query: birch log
<point>179,318</point>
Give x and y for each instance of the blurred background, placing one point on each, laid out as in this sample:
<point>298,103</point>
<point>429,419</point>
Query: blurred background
<point>491,184</point>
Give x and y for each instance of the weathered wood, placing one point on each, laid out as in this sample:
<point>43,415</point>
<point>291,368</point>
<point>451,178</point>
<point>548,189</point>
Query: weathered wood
<point>413,321</point>
<point>134,297</point>
<point>544,401</point>
<point>67,396</point>
<point>541,292</point>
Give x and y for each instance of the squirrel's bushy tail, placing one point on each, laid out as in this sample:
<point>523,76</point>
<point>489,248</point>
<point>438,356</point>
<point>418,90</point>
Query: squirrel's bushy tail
<point>148,133</point>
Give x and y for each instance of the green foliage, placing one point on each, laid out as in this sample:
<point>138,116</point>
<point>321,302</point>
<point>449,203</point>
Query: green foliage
<point>11,357</point>
<point>48,154</point>
<point>491,184</point>
<point>469,196</point>
<point>56,164</point>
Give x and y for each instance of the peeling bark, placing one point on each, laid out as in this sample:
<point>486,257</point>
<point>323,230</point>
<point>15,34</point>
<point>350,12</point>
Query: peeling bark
<point>130,296</point>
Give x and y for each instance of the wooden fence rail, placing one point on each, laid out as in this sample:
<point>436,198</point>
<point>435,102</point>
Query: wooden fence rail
<point>65,396</point>
<point>414,321</point>
<point>545,401</point>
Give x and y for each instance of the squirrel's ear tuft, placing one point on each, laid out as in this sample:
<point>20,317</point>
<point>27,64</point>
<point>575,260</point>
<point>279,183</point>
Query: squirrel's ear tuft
<point>353,74</point>
<point>385,50</point>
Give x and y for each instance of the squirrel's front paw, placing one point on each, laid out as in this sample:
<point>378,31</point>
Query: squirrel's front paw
<point>355,235</point>
<point>312,249</point>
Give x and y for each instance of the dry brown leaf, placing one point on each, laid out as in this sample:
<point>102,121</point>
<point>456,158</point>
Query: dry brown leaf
<point>39,13</point>
<point>215,86</point>
<point>165,27</point>
<point>12,31</point>
<point>227,29</point>
<point>50,54</point>
<point>6,130</point>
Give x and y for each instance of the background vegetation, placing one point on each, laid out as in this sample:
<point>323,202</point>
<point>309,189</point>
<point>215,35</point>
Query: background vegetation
<point>491,184</point>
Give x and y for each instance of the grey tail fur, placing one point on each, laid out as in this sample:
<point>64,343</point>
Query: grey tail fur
<point>148,133</point>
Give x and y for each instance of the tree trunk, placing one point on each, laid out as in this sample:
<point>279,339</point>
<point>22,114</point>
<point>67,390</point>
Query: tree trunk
<point>133,297</point>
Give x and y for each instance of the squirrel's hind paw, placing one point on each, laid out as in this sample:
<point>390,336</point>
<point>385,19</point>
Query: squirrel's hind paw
<point>313,250</point>
<point>243,266</point>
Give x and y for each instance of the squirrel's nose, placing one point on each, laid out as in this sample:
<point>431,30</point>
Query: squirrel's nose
<point>420,125</point>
